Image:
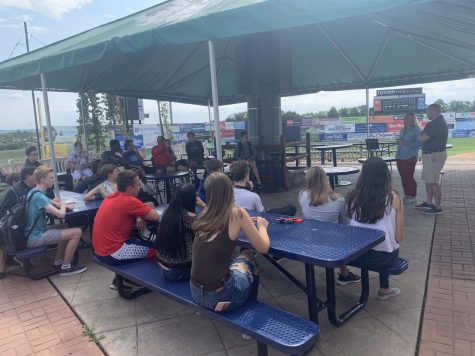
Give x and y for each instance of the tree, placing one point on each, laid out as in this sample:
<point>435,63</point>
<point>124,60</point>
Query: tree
<point>290,115</point>
<point>91,119</point>
<point>442,104</point>
<point>332,112</point>
<point>239,116</point>
<point>362,110</point>
<point>165,114</point>
<point>354,112</point>
<point>344,112</point>
<point>114,113</point>
<point>459,105</point>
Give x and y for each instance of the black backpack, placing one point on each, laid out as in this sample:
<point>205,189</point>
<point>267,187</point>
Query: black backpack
<point>12,226</point>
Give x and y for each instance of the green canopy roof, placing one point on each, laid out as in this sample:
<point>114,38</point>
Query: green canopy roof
<point>162,52</point>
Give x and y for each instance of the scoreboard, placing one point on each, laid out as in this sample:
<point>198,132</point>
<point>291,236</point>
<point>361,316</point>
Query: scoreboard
<point>396,101</point>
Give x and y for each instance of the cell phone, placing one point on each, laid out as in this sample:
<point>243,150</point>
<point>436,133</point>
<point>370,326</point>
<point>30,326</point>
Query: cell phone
<point>221,306</point>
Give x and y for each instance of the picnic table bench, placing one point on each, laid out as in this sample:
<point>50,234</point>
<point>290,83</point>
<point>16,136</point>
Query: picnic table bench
<point>270,326</point>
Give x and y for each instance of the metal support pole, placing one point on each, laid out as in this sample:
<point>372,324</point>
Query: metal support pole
<point>81,112</point>
<point>214,93</point>
<point>160,119</point>
<point>171,112</point>
<point>40,150</point>
<point>367,112</point>
<point>50,133</point>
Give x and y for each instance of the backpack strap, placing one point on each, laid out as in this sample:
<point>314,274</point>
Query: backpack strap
<point>37,217</point>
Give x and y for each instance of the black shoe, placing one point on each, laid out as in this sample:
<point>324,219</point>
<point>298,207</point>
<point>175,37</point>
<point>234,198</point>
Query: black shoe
<point>423,205</point>
<point>128,285</point>
<point>72,270</point>
<point>3,275</point>
<point>57,267</point>
<point>350,278</point>
<point>433,211</point>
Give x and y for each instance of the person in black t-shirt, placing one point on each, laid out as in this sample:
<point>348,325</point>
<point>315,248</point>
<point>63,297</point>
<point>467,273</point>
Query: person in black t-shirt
<point>245,152</point>
<point>114,156</point>
<point>32,157</point>
<point>194,151</point>
<point>18,191</point>
<point>434,141</point>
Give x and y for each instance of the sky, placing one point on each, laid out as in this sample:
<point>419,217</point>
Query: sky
<point>52,20</point>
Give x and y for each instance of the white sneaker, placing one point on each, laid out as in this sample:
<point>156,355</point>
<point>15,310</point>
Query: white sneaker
<point>246,337</point>
<point>386,295</point>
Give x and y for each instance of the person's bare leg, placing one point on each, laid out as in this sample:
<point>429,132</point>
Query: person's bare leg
<point>430,193</point>
<point>255,171</point>
<point>437,192</point>
<point>60,250</point>
<point>71,236</point>
<point>344,270</point>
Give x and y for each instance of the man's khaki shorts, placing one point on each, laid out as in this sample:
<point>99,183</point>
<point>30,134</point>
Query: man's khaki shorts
<point>432,164</point>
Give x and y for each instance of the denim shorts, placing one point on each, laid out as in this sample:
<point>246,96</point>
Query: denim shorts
<point>237,290</point>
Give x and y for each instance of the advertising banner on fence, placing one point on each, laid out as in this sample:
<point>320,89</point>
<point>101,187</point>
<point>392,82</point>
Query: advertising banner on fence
<point>353,120</point>
<point>373,128</point>
<point>333,137</point>
<point>340,128</point>
<point>145,135</point>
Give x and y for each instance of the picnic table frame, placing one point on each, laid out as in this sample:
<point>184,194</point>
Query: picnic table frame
<point>323,244</point>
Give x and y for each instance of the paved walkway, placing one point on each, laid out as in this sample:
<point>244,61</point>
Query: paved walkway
<point>35,320</point>
<point>449,316</point>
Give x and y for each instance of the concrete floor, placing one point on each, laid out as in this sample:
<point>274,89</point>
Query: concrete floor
<point>154,324</point>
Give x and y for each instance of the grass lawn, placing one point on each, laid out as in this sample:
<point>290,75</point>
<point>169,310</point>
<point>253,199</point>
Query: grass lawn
<point>17,155</point>
<point>461,145</point>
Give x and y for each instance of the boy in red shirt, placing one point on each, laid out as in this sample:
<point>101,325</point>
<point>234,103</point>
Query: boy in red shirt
<point>114,220</point>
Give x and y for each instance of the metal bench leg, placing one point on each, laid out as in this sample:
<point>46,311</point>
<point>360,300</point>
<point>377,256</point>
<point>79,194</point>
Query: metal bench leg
<point>261,349</point>
<point>312,299</point>
<point>331,298</point>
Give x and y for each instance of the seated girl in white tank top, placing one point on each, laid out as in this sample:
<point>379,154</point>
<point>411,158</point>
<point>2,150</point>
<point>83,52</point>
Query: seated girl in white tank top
<point>373,204</point>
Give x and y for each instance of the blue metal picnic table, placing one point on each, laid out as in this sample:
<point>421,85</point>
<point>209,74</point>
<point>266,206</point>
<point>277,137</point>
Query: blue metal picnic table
<point>318,243</point>
<point>81,207</point>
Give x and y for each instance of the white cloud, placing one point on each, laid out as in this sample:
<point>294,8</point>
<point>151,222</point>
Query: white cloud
<point>37,29</point>
<point>17,96</point>
<point>52,8</point>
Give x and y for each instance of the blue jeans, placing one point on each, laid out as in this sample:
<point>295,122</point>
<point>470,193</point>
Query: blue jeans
<point>239,288</point>
<point>177,274</point>
<point>379,259</point>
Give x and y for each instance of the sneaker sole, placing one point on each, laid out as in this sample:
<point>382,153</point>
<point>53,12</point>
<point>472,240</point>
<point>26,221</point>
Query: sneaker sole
<point>422,207</point>
<point>429,213</point>
<point>386,297</point>
<point>345,283</point>
<point>74,272</point>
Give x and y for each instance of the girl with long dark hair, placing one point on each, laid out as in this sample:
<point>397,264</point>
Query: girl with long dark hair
<point>373,204</point>
<point>175,234</point>
<point>217,281</point>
